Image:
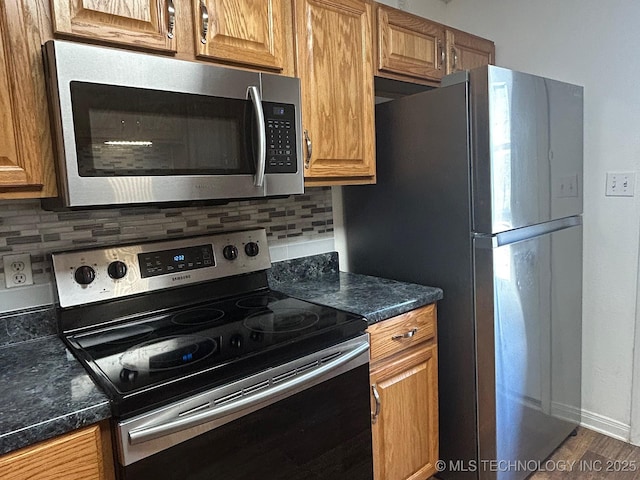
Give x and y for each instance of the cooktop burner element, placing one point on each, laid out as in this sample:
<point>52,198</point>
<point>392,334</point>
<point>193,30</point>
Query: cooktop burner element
<point>255,301</point>
<point>197,316</point>
<point>281,320</point>
<point>168,353</point>
<point>126,335</point>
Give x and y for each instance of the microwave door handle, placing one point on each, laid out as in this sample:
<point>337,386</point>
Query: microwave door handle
<point>254,93</point>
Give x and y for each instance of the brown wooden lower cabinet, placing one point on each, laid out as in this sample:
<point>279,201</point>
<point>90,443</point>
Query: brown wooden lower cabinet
<point>404,388</point>
<point>83,454</point>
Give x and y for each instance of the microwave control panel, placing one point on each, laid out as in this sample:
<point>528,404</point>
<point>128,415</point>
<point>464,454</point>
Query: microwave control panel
<point>280,123</point>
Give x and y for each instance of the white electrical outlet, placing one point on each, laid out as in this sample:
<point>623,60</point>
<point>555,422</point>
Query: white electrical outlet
<point>17,270</point>
<point>620,184</point>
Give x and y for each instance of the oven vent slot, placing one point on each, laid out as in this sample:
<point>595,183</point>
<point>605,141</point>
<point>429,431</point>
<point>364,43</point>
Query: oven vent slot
<point>228,398</point>
<point>256,387</point>
<point>330,357</point>
<point>194,410</point>
<point>283,376</point>
<point>306,367</point>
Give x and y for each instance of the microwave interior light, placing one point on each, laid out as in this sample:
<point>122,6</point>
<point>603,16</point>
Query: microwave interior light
<point>130,143</point>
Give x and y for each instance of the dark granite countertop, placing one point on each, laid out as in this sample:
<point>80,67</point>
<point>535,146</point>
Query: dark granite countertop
<point>45,393</point>
<point>317,279</point>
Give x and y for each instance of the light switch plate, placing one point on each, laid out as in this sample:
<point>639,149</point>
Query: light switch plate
<point>620,184</point>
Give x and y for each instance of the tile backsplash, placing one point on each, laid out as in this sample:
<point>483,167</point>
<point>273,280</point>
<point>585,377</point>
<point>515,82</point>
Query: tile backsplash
<point>26,228</point>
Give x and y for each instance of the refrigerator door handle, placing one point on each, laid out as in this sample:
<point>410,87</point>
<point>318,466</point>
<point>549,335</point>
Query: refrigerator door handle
<point>484,240</point>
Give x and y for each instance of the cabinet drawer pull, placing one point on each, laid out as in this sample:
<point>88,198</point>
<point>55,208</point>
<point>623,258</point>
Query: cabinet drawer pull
<point>171,11</point>
<point>204,15</point>
<point>376,397</point>
<point>442,54</point>
<point>408,334</point>
<point>454,53</point>
<point>307,140</point>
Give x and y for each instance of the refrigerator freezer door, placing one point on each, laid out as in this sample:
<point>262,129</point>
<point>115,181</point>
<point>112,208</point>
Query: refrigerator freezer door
<point>527,149</point>
<point>528,330</point>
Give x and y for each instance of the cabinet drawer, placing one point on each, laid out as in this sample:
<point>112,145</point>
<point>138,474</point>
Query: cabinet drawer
<point>401,332</point>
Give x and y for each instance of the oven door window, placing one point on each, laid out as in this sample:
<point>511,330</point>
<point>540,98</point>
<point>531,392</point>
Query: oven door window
<point>323,432</point>
<point>123,131</point>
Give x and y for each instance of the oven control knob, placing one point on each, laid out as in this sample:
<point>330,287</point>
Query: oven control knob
<point>117,269</point>
<point>251,249</point>
<point>127,375</point>
<point>85,275</point>
<point>230,252</point>
<point>236,341</point>
<point>256,335</point>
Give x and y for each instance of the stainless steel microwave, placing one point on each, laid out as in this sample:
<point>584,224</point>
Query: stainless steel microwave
<point>135,128</point>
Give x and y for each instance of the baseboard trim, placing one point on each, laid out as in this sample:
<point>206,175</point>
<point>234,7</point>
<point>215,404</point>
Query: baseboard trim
<point>566,412</point>
<point>605,425</point>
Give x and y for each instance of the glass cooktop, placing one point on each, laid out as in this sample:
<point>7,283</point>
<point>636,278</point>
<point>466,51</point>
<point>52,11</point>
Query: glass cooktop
<point>163,349</point>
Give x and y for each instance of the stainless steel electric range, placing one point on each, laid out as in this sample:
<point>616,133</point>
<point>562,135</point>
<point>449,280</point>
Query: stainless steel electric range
<point>210,373</point>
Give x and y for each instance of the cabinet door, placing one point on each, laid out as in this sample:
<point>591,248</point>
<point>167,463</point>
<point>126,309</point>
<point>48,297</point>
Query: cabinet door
<point>408,45</point>
<point>466,51</point>
<point>145,24</point>
<point>81,455</point>
<point>26,156</point>
<point>12,172</point>
<point>405,431</point>
<point>248,32</point>
<point>335,65</point>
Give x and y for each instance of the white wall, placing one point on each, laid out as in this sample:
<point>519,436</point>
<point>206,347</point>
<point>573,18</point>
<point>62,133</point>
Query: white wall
<point>594,44</point>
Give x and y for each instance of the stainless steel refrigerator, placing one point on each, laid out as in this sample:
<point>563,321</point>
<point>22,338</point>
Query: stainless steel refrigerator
<point>480,192</point>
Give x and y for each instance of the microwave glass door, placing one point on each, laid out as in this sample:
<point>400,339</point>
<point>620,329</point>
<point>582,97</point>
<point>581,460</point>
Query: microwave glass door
<point>128,132</point>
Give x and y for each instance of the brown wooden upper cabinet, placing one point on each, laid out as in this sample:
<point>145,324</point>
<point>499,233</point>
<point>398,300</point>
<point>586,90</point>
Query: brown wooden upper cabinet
<point>466,51</point>
<point>414,49</point>
<point>335,66</point>
<point>26,156</point>
<point>408,45</point>
<point>250,32</point>
<point>256,34</point>
<point>146,24</point>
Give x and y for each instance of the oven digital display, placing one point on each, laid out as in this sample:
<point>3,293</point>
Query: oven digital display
<point>174,261</point>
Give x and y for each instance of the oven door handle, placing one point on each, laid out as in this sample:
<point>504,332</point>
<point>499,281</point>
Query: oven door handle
<point>261,165</point>
<point>266,397</point>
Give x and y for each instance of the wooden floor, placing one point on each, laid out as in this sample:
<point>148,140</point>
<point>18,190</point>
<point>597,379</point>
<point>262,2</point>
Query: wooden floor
<point>590,456</point>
